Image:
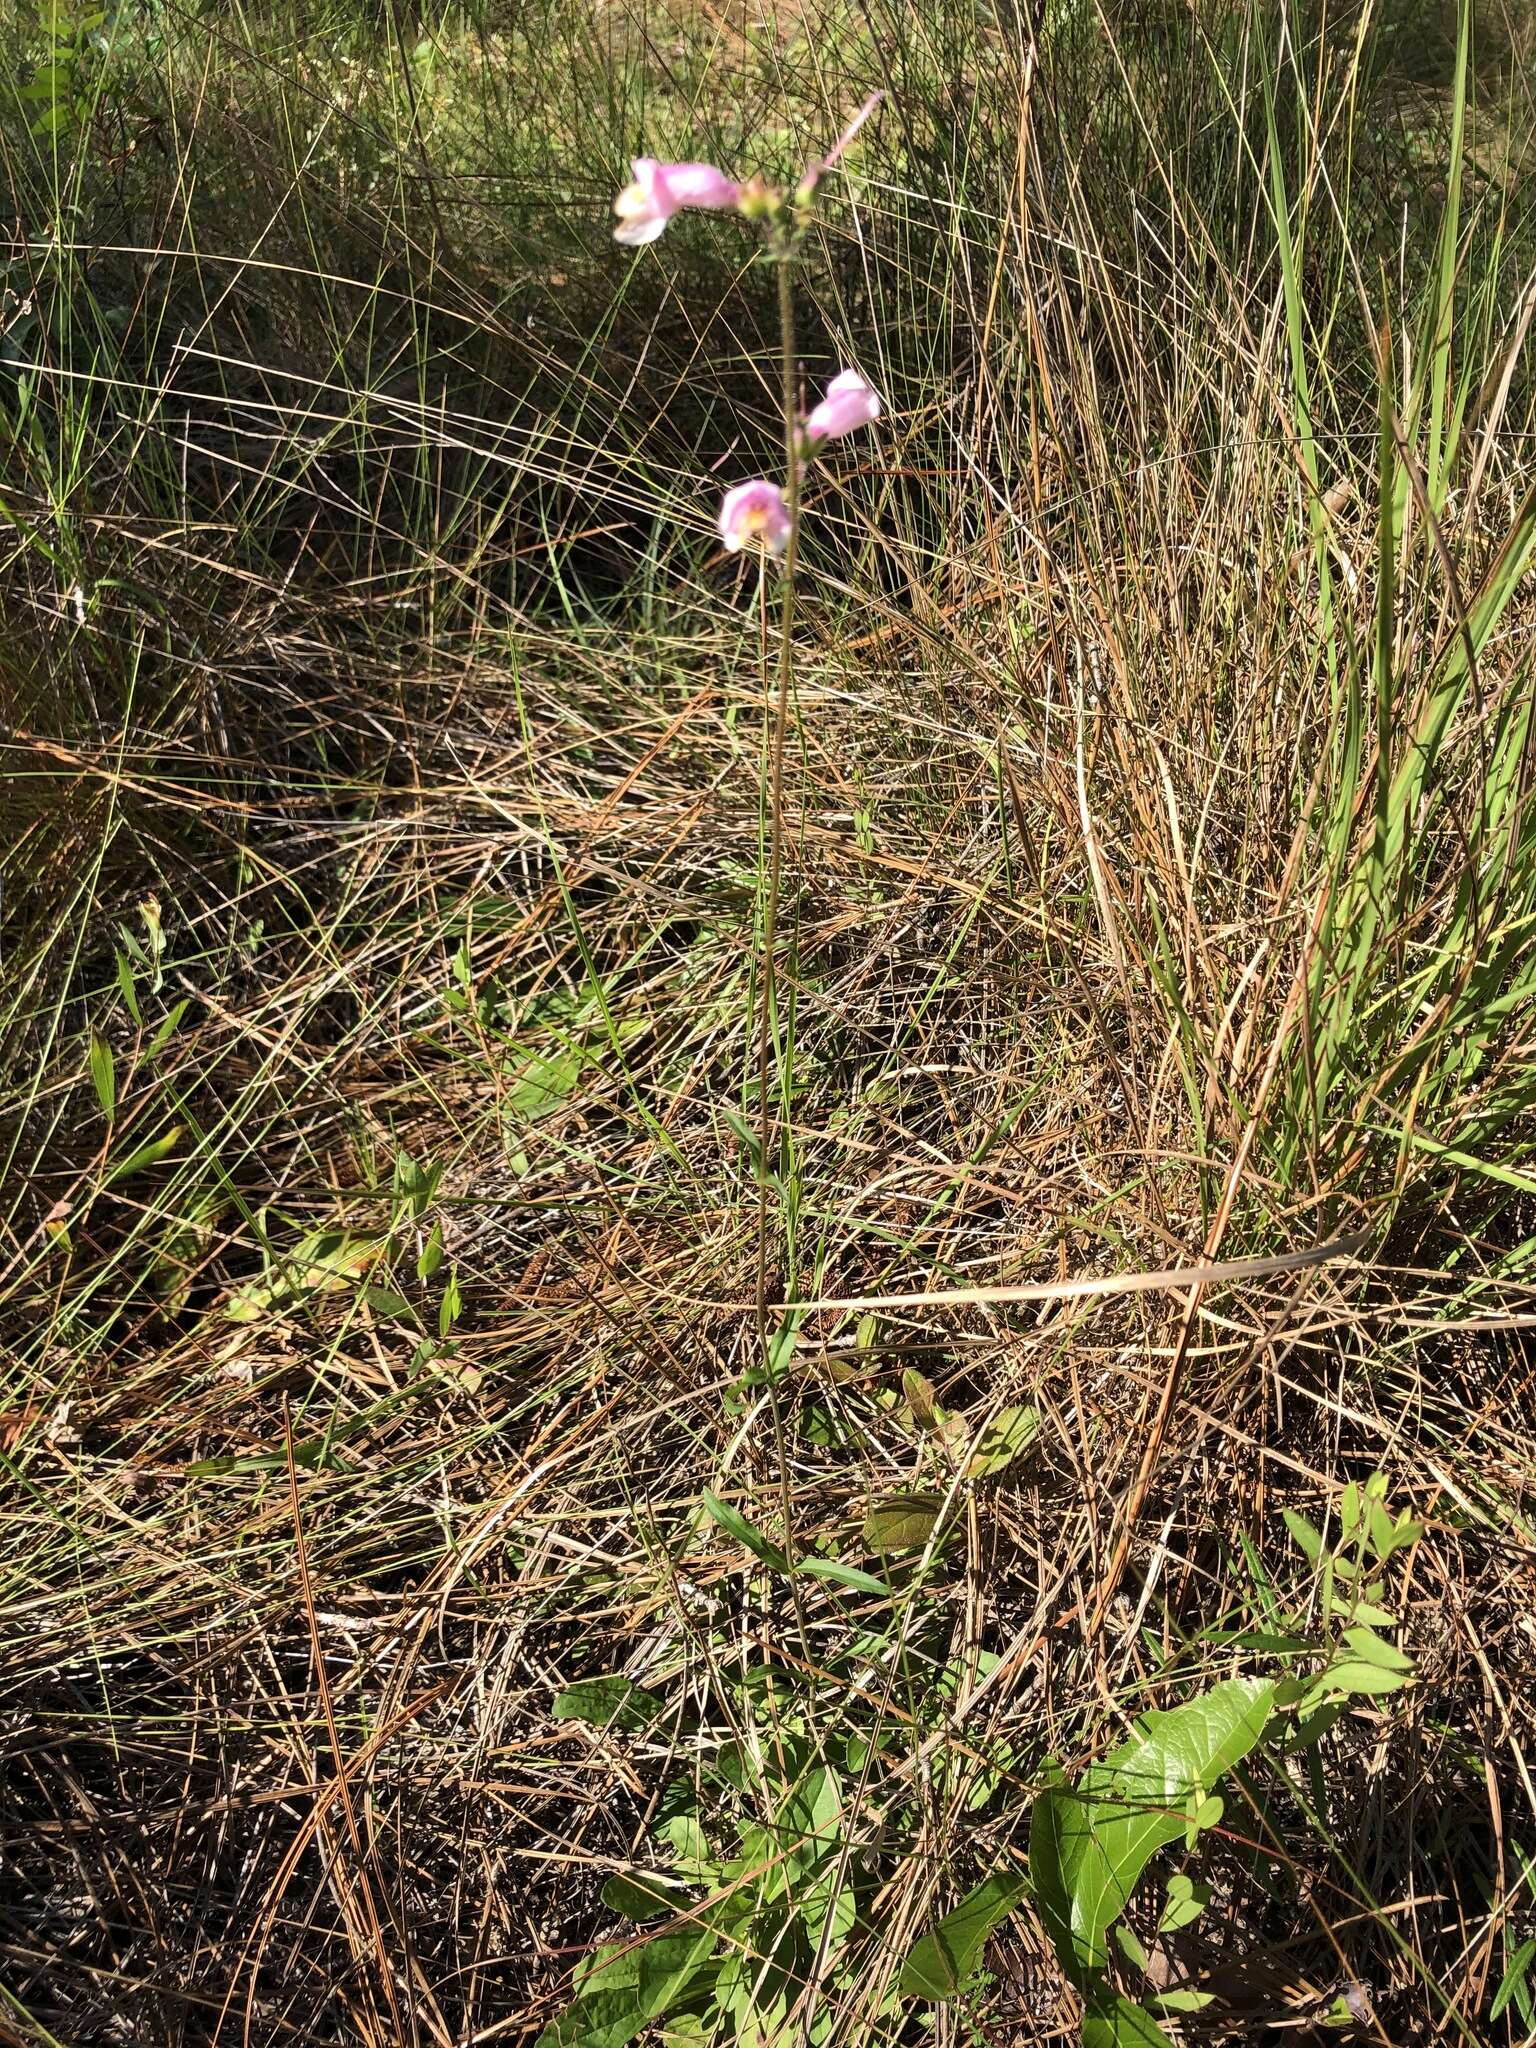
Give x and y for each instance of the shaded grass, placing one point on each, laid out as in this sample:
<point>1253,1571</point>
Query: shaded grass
<point>384,755</point>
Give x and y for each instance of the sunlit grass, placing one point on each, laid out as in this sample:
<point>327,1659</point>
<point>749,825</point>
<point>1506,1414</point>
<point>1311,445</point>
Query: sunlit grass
<point>383,889</point>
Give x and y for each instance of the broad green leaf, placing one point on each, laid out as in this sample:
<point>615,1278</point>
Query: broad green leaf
<point>733,1987</point>
<point>780,1957</point>
<point>818,1426</point>
<point>734,1523</point>
<point>904,1522</point>
<point>809,1822</point>
<point>1186,1901</point>
<point>417,1184</point>
<point>1406,1532</point>
<point>1113,2022</point>
<point>1185,1999</point>
<point>330,1261</point>
<point>829,1906</point>
<point>920,1397</point>
<point>756,1876</point>
<point>1090,1843</point>
<point>1370,1647</point>
<point>1010,1432</point>
<point>1308,1539</point>
<point>643,1895</point>
<point>544,1083</point>
<point>782,1346</point>
<point>46,82</point>
<point>387,1301</point>
<point>626,1985</point>
<point>1376,1617</point>
<point>1128,1941</point>
<point>322,1262</point>
<point>691,2029</point>
<point>1352,1675</point>
<point>940,1961</point>
<point>611,1701</point>
<point>1263,1640</point>
<point>688,1843</point>
<point>1201,1812</point>
<point>1311,1729</point>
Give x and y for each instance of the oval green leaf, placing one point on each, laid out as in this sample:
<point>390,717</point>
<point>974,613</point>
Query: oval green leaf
<point>941,1960</point>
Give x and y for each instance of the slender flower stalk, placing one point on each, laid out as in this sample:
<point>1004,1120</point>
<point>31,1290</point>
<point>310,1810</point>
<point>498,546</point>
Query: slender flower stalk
<point>764,516</point>
<point>767,1022</point>
<point>812,178</point>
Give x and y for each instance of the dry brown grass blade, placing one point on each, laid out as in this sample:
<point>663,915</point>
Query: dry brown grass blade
<point>370,1922</point>
<point>1097,1286</point>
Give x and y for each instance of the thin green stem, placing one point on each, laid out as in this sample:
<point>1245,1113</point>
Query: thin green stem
<point>767,1035</point>
<point>771,1113</point>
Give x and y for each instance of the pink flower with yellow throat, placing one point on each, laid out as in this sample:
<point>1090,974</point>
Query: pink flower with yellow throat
<point>659,190</point>
<point>755,515</point>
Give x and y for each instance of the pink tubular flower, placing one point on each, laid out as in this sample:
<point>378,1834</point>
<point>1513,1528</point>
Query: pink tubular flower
<point>851,401</point>
<point>755,513</point>
<point>659,190</point>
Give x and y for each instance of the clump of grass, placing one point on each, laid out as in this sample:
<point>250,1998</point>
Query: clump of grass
<point>395,1531</point>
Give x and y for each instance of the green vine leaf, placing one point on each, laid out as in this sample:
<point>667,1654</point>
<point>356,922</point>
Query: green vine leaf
<point>940,1961</point>
<point>627,1984</point>
<point>612,1701</point>
<point>1007,1436</point>
<point>905,1522</point>
<point>1089,1844</point>
<point>1110,2021</point>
